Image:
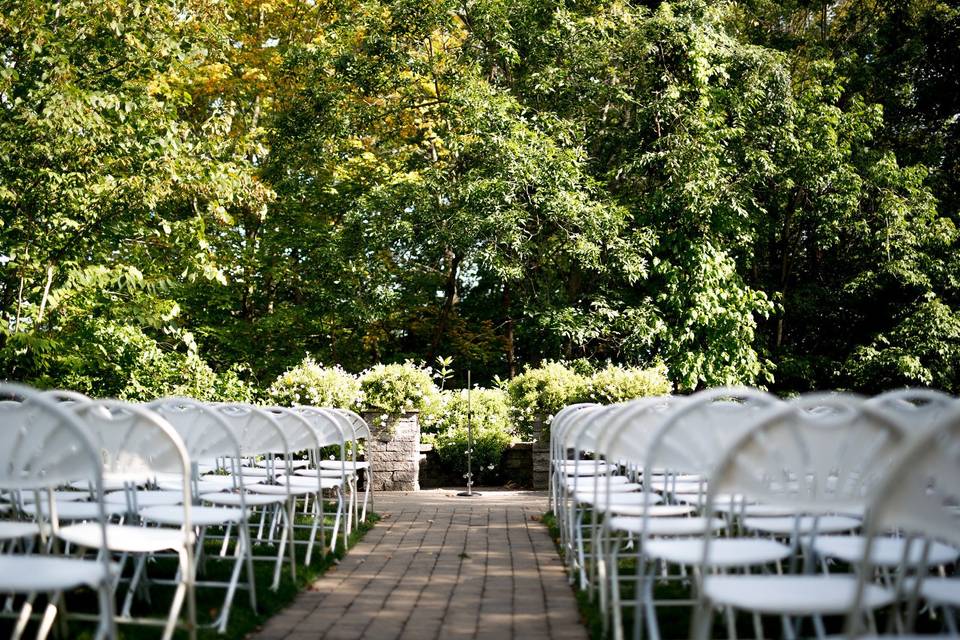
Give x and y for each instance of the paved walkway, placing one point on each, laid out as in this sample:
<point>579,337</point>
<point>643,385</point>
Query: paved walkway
<point>438,566</point>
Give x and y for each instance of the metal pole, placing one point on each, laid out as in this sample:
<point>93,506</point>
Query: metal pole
<point>469,493</point>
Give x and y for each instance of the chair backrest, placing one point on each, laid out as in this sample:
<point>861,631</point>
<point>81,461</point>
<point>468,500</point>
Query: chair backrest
<point>44,443</point>
<point>299,432</point>
<point>205,432</point>
<point>360,427</point>
<point>921,491</point>
<point>630,429</point>
<point>561,421</point>
<point>817,454</point>
<point>585,427</point>
<point>257,430</point>
<point>564,420</point>
<point>66,396</point>
<point>695,435</point>
<point>331,427</point>
<point>917,409</point>
<point>135,443</point>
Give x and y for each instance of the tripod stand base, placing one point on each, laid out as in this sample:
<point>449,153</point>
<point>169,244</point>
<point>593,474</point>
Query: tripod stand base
<point>468,494</point>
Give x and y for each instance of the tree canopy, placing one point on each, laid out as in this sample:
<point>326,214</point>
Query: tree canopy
<point>750,192</point>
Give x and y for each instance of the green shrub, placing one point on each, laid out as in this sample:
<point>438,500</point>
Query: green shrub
<point>231,387</point>
<point>492,432</point>
<point>619,384</point>
<point>487,407</point>
<point>111,359</point>
<point>310,383</point>
<point>542,392</point>
<point>394,389</point>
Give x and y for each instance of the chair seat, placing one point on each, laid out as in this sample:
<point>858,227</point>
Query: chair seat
<point>15,530</point>
<point>124,537</point>
<point>326,473</point>
<point>145,498</point>
<point>589,483</point>
<point>602,501</point>
<point>793,595</point>
<point>77,510</point>
<point>33,573</point>
<point>754,510</point>
<point>311,482</point>
<point>109,484</point>
<point>586,494</point>
<point>348,465</point>
<point>278,463</point>
<point>700,500</point>
<point>204,485</point>
<point>787,525</point>
<point>257,472</point>
<point>665,526</point>
<point>886,552</point>
<point>250,499</point>
<point>654,510</point>
<point>27,497</point>
<point>941,590</point>
<point>199,516</point>
<point>585,467</point>
<point>724,552</point>
<point>282,489</point>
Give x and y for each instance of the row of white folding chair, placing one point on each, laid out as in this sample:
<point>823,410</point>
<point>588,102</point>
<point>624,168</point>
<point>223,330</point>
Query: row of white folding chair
<point>159,508</point>
<point>46,445</point>
<point>854,459</point>
<point>130,444</point>
<point>688,450</point>
<point>582,416</point>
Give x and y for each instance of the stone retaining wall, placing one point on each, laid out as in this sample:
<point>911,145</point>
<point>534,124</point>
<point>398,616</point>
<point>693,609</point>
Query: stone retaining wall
<point>541,454</point>
<point>394,452</point>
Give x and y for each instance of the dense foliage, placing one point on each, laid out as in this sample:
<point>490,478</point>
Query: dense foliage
<point>195,194</point>
<point>492,428</point>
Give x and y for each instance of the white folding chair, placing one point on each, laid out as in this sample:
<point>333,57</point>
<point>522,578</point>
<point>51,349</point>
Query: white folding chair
<point>361,431</point>
<point>135,444</point>
<point>43,445</point>
<point>207,436</point>
<point>817,455</point>
<point>690,440</point>
<point>333,429</point>
<point>259,434</point>
<point>302,436</point>
<point>919,501</point>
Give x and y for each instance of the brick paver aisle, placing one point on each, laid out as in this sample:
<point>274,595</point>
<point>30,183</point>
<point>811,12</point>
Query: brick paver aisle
<point>439,567</point>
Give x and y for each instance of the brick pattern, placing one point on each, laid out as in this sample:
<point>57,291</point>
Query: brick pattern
<point>439,567</point>
<point>394,452</point>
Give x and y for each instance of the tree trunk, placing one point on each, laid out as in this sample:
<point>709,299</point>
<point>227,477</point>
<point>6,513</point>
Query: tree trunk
<point>450,300</point>
<point>508,322</point>
<point>46,294</point>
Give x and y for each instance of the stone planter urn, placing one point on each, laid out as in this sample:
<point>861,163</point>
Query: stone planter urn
<point>394,451</point>
<point>541,454</point>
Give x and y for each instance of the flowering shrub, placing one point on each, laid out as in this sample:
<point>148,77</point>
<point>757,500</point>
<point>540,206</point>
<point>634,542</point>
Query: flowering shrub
<point>618,384</point>
<point>394,389</point>
<point>487,407</point>
<point>492,431</point>
<point>542,392</point>
<point>310,383</point>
